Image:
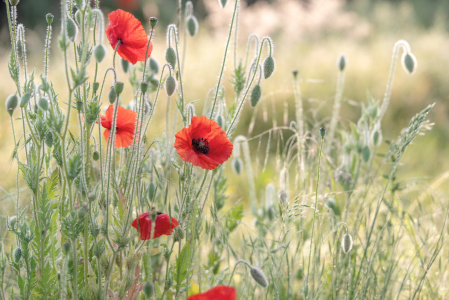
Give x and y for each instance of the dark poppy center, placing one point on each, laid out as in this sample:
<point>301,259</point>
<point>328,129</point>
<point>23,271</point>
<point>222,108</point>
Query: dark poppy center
<point>201,145</point>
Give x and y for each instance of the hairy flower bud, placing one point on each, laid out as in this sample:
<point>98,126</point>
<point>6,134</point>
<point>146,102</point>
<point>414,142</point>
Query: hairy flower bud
<point>256,94</point>
<point>237,165</point>
<point>96,155</point>
<point>11,103</point>
<point>95,87</point>
<point>49,17</point>
<point>366,153</point>
<point>332,204</point>
<point>72,29</point>
<point>220,121</point>
<point>154,65</point>
<point>259,276</point>
<point>148,289</point>
<point>125,65</point>
<point>269,65</point>
<point>118,87</point>
<point>192,25</point>
<point>49,139</point>
<point>223,3</point>
<point>153,21</point>
<point>100,53</point>
<point>341,62</point>
<point>43,104</point>
<point>17,254</point>
<point>409,62</point>
<point>346,243</point>
<point>170,85</point>
<point>66,247</point>
<point>112,95</point>
<point>170,56</point>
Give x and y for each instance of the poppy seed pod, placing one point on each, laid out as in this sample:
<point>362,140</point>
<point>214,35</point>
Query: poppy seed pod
<point>269,65</point>
<point>223,3</point>
<point>66,247</point>
<point>118,87</point>
<point>17,254</point>
<point>346,243</point>
<point>144,87</point>
<point>99,53</point>
<point>341,62</point>
<point>148,289</point>
<point>409,62</point>
<point>11,103</point>
<point>49,18</point>
<point>125,65</point>
<point>95,87</point>
<point>256,94</point>
<point>153,21</point>
<point>43,104</point>
<point>96,155</point>
<point>170,56</point>
<point>322,132</point>
<point>112,95</point>
<point>192,25</point>
<point>259,277</point>
<point>170,85</point>
<point>237,165</point>
<point>72,29</point>
<point>154,65</point>
<point>295,73</point>
<point>25,99</point>
<point>366,153</point>
<point>14,2</point>
<point>79,105</point>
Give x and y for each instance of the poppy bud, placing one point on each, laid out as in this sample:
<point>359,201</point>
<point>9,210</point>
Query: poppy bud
<point>78,18</point>
<point>112,96</point>
<point>17,254</point>
<point>11,103</point>
<point>12,221</point>
<point>259,277</point>
<point>409,62</point>
<point>366,153</point>
<point>220,121</point>
<point>170,85</point>
<point>82,211</point>
<point>151,190</point>
<point>237,165</point>
<point>96,155</point>
<point>170,56</point>
<point>25,99</point>
<point>72,30</point>
<point>322,132</point>
<point>95,87</point>
<point>118,87</point>
<point>148,289</point>
<point>99,53</point>
<point>125,65</point>
<point>300,274</point>
<point>19,48</point>
<point>346,243</point>
<point>49,139</point>
<point>49,18</point>
<point>14,2</point>
<point>332,204</point>
<point>66,247</point>
<point>43,104</point>
<point>154,65</point>
<point>223,3</point>
<point>144,87</point>
<point>269,65</point>
<point>256,93</point>
<point>192,25</point>
<point>153,21</point>
<point>341,62</point>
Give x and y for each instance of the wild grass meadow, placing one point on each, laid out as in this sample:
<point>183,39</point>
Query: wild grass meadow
<point>223,149</point>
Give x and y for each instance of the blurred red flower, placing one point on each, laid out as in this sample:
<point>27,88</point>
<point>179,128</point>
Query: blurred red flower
<point>125,125</point>
<point>124,27</point>
<point>203,143</point>
<point>163,225</point>
<point>128,4</point>
<point>217,293</point>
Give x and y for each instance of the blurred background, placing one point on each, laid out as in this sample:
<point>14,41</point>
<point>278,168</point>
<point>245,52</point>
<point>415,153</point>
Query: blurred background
<point>308,36</point>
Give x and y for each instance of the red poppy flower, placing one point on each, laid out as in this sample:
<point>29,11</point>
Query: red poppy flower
<point>124,27</point>
<point>204,143</point>
<point>127,4</point>
<point>217,293</point>
<point>163,225</point>
<point>125,125</point>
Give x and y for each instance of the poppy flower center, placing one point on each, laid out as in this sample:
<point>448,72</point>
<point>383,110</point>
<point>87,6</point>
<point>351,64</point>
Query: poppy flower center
<point>201,145</point>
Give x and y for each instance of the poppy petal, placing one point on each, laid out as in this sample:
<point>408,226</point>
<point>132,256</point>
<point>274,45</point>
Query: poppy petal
<point>217,293</point>
<point>163,225</point>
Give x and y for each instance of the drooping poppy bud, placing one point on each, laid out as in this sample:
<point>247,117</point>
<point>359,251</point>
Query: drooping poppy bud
<point>341,62</point>
<point>346,243</point>
<point>192,25</point>
<point>11,103</point>
<point>72,29</point>
<point>112,95</point>
<point>99,53</point>
<point>409,62</point>
<point>259,276</point>
<point>154,65</point>
<point>256,94</point>
<point>269,65</point>
<point>170,56</point>
<point>170,85</point>
<point>125,65</point>
<point>17,254</point>
<point>43,104</point>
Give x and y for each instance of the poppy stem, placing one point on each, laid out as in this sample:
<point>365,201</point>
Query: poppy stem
<point>115,54</point>
<point>235,266</point>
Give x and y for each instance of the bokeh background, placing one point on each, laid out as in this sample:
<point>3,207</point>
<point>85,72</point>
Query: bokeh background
<point>308,35</point>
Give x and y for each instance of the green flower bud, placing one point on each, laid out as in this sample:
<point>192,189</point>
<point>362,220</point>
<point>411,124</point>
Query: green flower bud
<point>17,254</point>
<point>259,276</point>
<point>118,87</point>
<point>100,53</point>
<point>220,121</point>
<point>12,221</point>
<point>25,99</point>
<point>43,104</point>
<point>366,153</point>
<point>144,87</point>
<point>72,29</point>
<point>332,204</point>
<point>170,56</point>
<point>223,3</point>
<point>95,87</point>
<point>295,73</point>
<point>148,289</point>
<point>409,62</point>
<point>125,65</point>
<point>346,243</point>
<point>112,95</point>
<point>151,190</point>
<point>78,18</point>
<point>11,103</point>
<point>153,21</point>
<point>96,155</point>
<point>322,132</point>
<point>170,85</point>
<point>300,274</point>
<point>269,65</point>
<point>66,247</point>
<point>237,165</point>
<point>49,139</point>
<point>192,25</point>
<point>256,94</point>
<point>49,18</point>
<point>154,65</point>
<point>341,62</point>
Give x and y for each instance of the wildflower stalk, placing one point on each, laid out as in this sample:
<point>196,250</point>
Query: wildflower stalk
<point>17,177</point>
<point>301,151</point>
<point>220,76</point>
<point>172,28</point>
<point>314,216</point>
<point>336,110</point>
